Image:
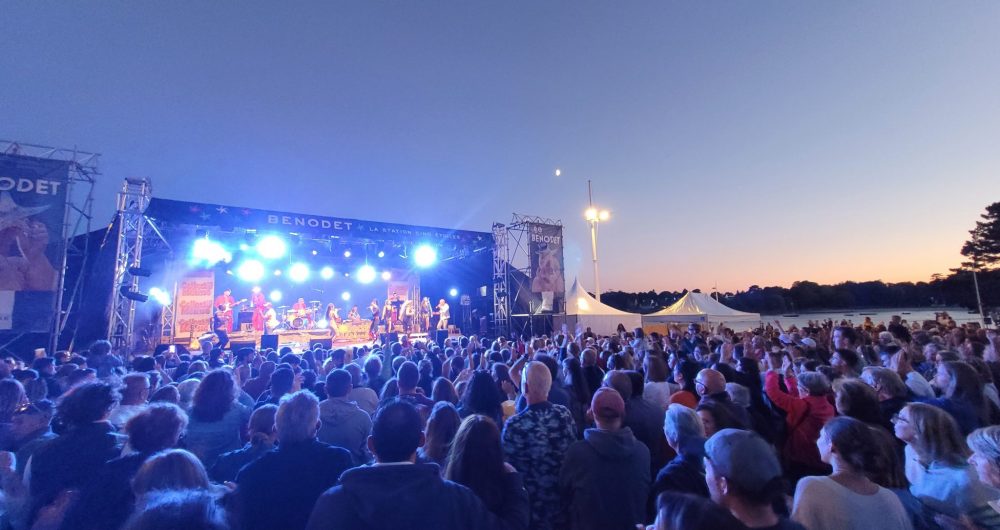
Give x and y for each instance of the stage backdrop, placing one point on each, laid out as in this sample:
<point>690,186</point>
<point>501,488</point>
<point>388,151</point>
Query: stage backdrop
<point>193,309</point>
<point>545,247</point>
<point>32,215</point>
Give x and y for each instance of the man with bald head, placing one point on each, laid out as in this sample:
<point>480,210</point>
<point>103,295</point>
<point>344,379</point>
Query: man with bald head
<point>535,441</point>
<point>711,386</point>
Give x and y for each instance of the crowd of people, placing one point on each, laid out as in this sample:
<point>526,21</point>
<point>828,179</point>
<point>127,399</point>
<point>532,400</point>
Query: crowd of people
<point>827,426</point>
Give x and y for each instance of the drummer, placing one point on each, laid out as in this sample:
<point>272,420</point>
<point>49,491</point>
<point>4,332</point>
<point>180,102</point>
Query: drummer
<point>302,310</point>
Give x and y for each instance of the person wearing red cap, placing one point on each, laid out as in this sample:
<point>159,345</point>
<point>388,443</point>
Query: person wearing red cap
<point>604,481</point>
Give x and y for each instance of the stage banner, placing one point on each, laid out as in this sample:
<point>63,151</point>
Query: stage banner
<point>229,217</point>
<point>33,194</point>
<point>545,248</point>
<point>193,309</point>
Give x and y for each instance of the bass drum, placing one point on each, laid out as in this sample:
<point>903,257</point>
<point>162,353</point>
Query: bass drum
<point>299,323</point>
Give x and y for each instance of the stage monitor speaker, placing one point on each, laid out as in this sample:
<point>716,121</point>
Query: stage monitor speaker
<point>441,336</point>
<point>326,344</point>
<point>237,345</point>
<point>269,341</point>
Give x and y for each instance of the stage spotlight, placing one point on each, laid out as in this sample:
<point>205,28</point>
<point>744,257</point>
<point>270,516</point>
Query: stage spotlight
<point>386,275</point>
<point>323,324</point>
<point>256,289</point>
<point>132,295</point>
<point>453,292</point>
<point>271,247</point>
<point>347,253</point>
<point>299,272</point>
<point>208,252</point>
<point>424,256</point>
<point>244,247</point>
<point>326,273</point>
<point>275,296</point>
<point>160,296</point>
<point>366,274</point>
<point>277,272</point>
<point>251,270</point>
<point>315,252</point>
<point>381,253</point>
<point>345,296</point>
<point>142,272</point>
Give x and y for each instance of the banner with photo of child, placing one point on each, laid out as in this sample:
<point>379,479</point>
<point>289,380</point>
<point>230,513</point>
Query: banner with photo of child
<point>545,248</point>
<point>32,216</point>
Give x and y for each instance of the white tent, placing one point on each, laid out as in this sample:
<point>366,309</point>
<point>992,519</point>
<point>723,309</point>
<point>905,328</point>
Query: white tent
<point>701,308</point>
<point>584,310</point>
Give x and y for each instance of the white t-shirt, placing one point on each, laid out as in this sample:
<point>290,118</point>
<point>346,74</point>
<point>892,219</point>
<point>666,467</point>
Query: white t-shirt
<point>821,503</point>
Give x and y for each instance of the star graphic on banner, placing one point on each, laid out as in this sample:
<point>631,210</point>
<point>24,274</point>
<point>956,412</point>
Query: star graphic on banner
<point>246,211</point>
<point>205,216</point>
<point>194,209</point>
<point>222,209</point>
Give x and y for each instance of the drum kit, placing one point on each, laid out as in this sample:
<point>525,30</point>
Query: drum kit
<point>299,319</point>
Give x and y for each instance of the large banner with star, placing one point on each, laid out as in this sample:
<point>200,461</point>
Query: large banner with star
<point>318,226</point>
<point>33,195</point>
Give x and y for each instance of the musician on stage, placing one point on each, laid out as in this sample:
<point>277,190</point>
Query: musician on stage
<point>376,316</point>
<point>397,313</point>
<point>406,310</point>
<point>302,310</point>
<point>387,315</point>
<point>270,318</point>
<point>354,316</point>
<point>425,314</point>
<point>221,324</point>
<point>445,313</point>
<point>332,314</point>
<point>257,301</point>
<point>224,303</point>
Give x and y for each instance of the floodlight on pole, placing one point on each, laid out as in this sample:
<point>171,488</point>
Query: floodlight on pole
<point>594,216</point>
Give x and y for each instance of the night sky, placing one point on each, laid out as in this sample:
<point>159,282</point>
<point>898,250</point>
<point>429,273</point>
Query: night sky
<point>735,143</point>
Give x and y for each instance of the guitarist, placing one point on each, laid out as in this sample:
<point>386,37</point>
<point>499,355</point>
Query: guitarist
<point>224,308</point>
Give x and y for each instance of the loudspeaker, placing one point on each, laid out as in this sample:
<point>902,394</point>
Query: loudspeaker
<point>269,341</point>
<point>440,336</point>
<point>235,346</point>
<point>326,344</point>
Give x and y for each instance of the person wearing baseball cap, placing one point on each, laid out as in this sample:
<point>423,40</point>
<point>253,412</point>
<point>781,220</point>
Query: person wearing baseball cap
<point>604,481</point>
<point>744,476</point>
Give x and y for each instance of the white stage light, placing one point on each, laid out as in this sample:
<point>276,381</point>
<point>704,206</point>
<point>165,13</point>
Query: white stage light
<point>323,324</point>
<point>345,296</point>
<point>386,275</point>
<point>208,252</point>
<point>298,272</point>
<point>271,247</point>
<point>160,296</point>
<point>381,254</point>
<point>347,253</point>
<point>326,273</point>
<point>453,292</point>
<point>425,256</point>
<point>250,270</point>
<point>275,296</point>
<point>366,274</point>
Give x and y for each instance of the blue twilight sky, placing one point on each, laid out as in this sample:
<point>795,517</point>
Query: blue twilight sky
<point>736,143</point>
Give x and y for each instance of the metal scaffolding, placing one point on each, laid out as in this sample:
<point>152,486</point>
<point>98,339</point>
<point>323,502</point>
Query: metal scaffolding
<point>511,254</point>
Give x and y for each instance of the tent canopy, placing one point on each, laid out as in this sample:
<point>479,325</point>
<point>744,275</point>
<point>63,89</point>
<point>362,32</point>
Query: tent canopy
<point>699,307</point>
<point>584,310</point>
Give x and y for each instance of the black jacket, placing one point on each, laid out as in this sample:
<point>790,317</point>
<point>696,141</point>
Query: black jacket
<point>405,497</point>
<point>278,489</point>
<point>604,481</point>
<point>685,473</point>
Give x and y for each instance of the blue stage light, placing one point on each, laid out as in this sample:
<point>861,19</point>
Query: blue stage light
<point>326,273</point>
<point>298,272</point>
<point>160,296</point>
<point>251,270</point>
<point>425,256</point>
<point>453,292</point>
<point>275,296</point>
<point>271,247</point>
<point>208,252</point>
<point>366,274</point>
<point>345,296</point>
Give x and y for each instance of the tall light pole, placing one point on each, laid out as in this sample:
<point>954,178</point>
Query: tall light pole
<point>594,216</point>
